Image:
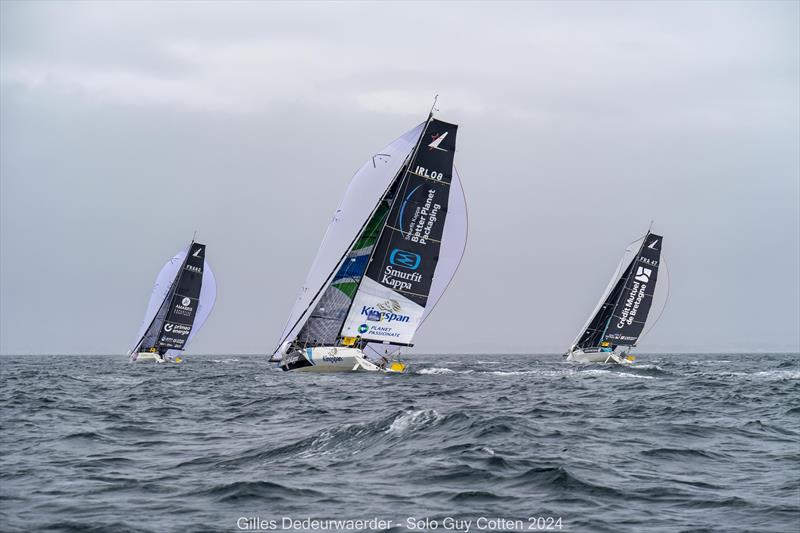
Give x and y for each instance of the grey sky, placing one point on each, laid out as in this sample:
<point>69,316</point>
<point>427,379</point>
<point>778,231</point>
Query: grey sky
<point>126,126</point>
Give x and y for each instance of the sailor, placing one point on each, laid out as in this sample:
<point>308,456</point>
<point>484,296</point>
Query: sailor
<point>384,359</point>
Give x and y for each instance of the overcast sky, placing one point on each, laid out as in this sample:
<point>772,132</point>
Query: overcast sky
<point>126,126</point>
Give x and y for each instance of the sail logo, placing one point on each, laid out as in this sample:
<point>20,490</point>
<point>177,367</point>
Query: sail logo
<point>437,140</point>
<point>405,259</point>
<point>399,280</point>
<point>377,315</point>
<point>390,306</point>
<point>186,301</point>
<point>197,252</point>
<point>643,274</point>
<point>653,245</point>
<point>168,328</point>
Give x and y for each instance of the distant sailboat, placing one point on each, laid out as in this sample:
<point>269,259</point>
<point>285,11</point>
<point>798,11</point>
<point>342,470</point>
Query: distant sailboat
<point>181,301</point>
<point>622,313</point>
<point>387,257</point>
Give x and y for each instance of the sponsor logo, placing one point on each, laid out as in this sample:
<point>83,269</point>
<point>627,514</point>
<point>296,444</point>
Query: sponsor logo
<point>643,274</point>
<point>437,140</point>
<point>422,222</point>
<point>390,306</point>
<point>653,244</point>
<point>197,252</point>
<point>332,359</point>
<point>363,328</point>
<point>177,329</point>
<point>404,259</point>
<point>399,280</point>
<point>184,307</point>
<point>382,316</point>
<point>635,298</point>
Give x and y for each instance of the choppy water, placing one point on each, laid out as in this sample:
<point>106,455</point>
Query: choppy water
<point>674,443</point>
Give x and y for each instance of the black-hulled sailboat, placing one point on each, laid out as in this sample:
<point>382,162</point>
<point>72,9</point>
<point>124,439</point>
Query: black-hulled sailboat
<point>181,301</point>
<point>387,257</point>
<point>624,310</point>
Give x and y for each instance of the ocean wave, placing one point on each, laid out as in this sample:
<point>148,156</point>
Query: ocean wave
<point>259,491</point>
<point>412,419</point>
<point>442,371</point>
<point>436,371</point>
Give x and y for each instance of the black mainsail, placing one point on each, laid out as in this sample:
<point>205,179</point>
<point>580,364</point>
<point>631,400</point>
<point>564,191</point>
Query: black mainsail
<point>392,295</point>
<point>172,324</point>
<point>621,318</point>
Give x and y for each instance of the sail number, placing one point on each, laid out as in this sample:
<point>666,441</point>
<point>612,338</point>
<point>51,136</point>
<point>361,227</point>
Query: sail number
<point>430,174</point>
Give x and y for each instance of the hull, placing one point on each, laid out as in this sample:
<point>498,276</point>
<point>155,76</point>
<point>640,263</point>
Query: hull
<point>328,359</point>
<point>149,357</point>
<point>581,356</point>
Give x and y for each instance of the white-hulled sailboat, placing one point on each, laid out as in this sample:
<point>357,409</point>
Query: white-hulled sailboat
<point>387,257</point>
<point>623,312</point>
<point>182,299</point>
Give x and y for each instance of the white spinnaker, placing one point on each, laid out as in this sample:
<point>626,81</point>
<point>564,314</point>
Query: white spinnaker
<point>208,295</point>
<point>362,195</point>
<point>627,258</point>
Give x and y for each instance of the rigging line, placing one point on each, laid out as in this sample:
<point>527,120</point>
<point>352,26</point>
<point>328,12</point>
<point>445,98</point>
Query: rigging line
<point>666,300</point>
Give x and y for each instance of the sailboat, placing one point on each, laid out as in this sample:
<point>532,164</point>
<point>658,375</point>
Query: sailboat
<point>624,310</point>
<point>181,301</point>
<point>392,248</point>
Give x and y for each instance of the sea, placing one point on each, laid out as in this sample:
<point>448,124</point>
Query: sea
<point>468,443</point>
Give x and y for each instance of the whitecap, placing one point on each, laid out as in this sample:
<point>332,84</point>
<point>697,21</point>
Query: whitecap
<point>436,370</point>
<point>410,419</point>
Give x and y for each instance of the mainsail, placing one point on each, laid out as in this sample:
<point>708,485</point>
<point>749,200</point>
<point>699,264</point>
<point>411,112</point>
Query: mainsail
<point>181,301</point>
<point>393,293</point>
<point>368,234</point>
<point>622,312</point>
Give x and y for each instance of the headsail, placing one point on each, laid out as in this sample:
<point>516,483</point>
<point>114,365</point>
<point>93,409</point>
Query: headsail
<point>622,312</point>
<point>181,301</point>
<point>350,240</point>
